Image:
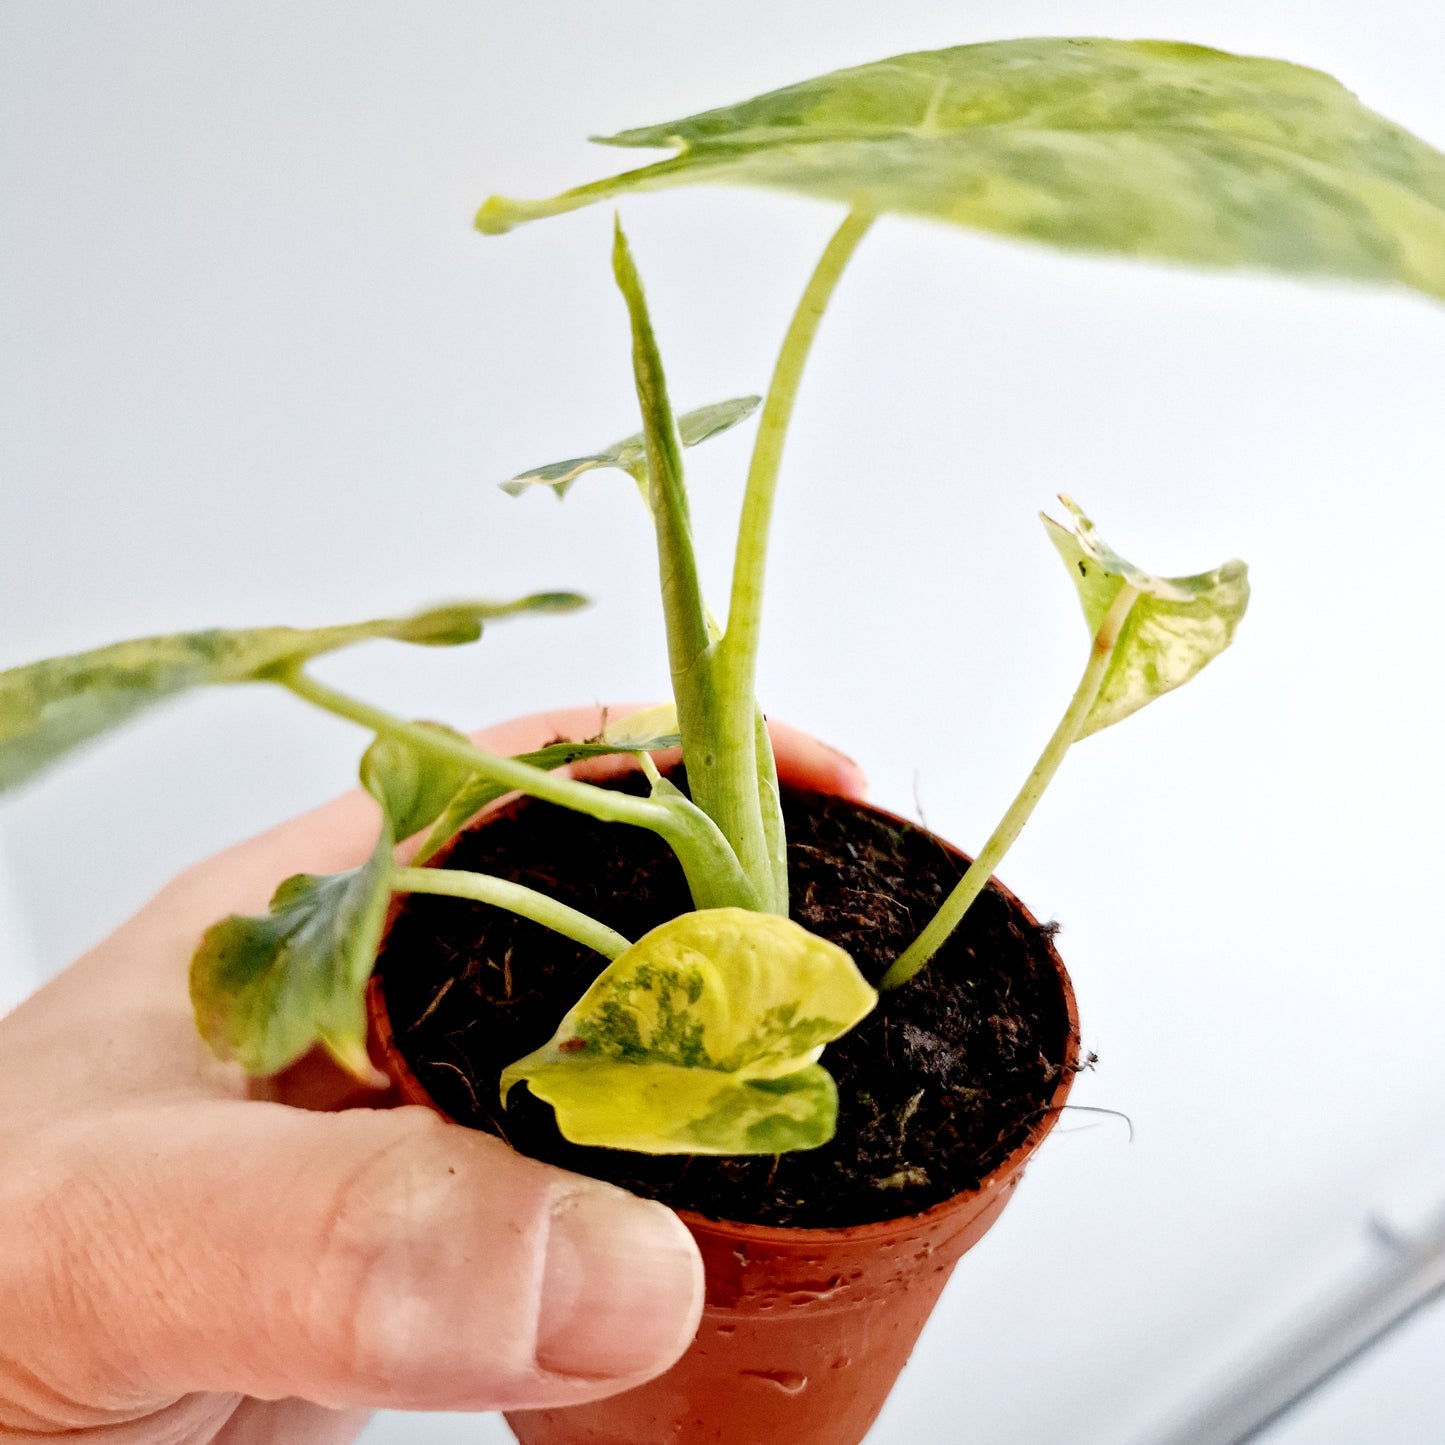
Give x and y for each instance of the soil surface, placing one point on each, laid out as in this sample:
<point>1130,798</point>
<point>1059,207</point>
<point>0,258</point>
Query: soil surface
<point>936,1086</point>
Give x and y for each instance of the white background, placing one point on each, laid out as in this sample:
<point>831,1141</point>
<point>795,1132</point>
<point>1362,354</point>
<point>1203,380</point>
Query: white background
<point>256,367</point>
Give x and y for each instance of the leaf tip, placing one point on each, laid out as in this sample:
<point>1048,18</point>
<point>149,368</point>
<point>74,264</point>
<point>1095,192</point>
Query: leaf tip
<point>491,218</point>
<point>497,215</point>
<point>624,268</point>
<point>558,601</point>
<point>352,1056</point>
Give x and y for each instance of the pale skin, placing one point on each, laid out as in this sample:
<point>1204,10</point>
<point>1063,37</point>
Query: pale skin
<point>188,1257</point>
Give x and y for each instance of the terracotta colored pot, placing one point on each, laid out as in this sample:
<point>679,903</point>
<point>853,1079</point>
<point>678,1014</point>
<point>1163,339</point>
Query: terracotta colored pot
<point>804,1331</point>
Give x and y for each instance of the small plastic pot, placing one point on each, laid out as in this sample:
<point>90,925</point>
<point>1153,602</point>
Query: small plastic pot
<point>804,1331</point>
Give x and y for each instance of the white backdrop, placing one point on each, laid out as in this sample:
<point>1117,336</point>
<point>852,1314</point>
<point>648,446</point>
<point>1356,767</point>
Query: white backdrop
<point>257,368</point>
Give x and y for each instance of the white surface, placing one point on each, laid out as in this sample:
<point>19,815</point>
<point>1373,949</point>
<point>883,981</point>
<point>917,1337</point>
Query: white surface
<point>257,368</point>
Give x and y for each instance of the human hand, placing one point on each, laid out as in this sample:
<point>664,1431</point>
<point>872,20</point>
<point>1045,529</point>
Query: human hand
<point>188,1258</point>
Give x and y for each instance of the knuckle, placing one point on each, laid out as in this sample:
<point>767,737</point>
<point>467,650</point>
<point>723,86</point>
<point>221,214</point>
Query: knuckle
<point>375,1251</point>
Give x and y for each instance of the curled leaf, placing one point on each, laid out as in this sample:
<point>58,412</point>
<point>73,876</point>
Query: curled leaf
<point>703,1038</point>
<point>267,989</point>
<point>630,454</point>
<point>47,708</point>
<point>412,786</point>
<point>1175,627</point>
<point>1137,148</point>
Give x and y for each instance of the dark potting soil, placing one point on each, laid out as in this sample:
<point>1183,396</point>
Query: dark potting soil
<point>936,1086</point>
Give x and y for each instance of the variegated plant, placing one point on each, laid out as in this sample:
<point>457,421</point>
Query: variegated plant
<point>705,1036</point>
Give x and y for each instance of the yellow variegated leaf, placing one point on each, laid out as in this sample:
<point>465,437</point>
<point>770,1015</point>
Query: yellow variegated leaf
<point>1175,627</point>
<point>670,1109</point>
<point>722,997</point>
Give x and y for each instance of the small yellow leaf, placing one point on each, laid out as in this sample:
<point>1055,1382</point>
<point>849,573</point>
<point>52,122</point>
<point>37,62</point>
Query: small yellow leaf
<point>703,1037</point>
<point>1175,627</point>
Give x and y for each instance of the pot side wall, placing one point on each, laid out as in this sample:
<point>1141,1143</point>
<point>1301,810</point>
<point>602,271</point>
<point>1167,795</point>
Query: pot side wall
<point>804,1331</point>
<point>801,1339</point>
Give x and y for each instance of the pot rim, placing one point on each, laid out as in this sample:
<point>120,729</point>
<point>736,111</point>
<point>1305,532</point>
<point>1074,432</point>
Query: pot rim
<point>1001,1176</point>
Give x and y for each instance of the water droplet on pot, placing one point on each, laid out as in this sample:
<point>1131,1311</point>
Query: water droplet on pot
<point>790,1382</point>
<point>816,1290</point>
<point>727,1329</point>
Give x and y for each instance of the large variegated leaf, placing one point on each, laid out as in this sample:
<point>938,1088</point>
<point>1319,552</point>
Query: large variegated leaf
<point>47,708</point>
<point>630,454</point>
<point>703,1038</point>
<point>267,989</point>
<point>1139,148</point>
<point>1176,625</point>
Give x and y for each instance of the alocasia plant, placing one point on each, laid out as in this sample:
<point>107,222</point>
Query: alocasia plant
<point>705,1035</point>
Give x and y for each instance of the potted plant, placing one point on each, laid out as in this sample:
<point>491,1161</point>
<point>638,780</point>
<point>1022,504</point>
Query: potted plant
<point>688,1057</point>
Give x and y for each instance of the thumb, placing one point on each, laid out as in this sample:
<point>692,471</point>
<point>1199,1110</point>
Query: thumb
<point>364,1258</point>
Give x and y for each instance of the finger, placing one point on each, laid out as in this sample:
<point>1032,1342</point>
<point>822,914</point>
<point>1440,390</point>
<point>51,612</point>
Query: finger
<point>805,762</point>
<point>802,761</point>
<point>355,1259</point>
<point>275,1422</point>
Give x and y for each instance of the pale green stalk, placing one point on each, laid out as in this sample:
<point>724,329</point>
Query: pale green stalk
<point>711,867</point>
<point>948,917</point>
<point>527,902</point>
<point>771,806</point>
<point>688,641</point>
<point>741,775</point>
<point>691,649</point>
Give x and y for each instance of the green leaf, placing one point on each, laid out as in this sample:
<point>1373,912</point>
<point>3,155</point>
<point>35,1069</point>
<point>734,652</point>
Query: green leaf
<point>413,787</point>
<point>649,730</point>
<point>1137,148</point>
<point>703,1038</point>
<point>1174,628</point>
<point>630,454</point>
<point>265,990</point>
<point>50,707</point>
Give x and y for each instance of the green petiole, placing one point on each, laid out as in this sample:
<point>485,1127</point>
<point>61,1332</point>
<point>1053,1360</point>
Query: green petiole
<point>741,795</point>
<point>948,917</point>
<point>712,869</point>
<point>527,902</point>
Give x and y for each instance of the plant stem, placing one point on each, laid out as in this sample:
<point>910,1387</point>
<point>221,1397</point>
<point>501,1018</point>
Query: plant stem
<point>688,642</point>
<point>973,882</point>
<point>712,869</point>
<point>771,807</point>
<point>480,888</point>
<point>740,770</point>
<point>691,650</point>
